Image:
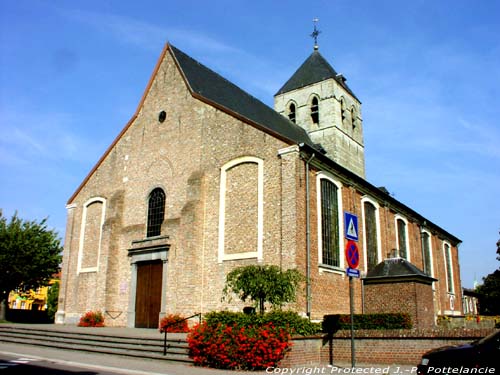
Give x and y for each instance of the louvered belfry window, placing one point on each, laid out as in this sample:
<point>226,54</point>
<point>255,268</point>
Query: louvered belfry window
<point>371,234</point>
<point>156,212</point>
<point>330,223</point>
<point>315,110</point>
<point>291,113</point>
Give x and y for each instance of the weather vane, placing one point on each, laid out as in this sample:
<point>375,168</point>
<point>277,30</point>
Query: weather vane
<point>315,33</point>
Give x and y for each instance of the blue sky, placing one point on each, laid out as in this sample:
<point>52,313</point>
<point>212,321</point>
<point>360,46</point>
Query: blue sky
<point>427,73</point>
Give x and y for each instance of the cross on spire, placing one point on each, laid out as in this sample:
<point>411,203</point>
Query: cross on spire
<point>315,33</point>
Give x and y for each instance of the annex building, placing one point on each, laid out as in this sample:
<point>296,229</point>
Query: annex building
<point>205,178</point>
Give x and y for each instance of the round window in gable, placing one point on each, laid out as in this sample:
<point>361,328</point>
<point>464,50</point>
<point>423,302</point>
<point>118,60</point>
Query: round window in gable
<point>162,116</point>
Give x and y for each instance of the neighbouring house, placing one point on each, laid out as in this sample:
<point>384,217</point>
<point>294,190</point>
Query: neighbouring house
<point>205,178</point>
<point>33,299</point>
<point>470,300</point>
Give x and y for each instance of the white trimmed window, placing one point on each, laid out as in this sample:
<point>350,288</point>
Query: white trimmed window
<point>450,286</point>
<point>402,239</point>
<point>241,209</point>
<point>94,212</point>
<point>330,223</point>
<point>427,252</point>
<point>371,233</point>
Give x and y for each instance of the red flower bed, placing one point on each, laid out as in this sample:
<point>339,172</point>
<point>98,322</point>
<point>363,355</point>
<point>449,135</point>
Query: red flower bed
<point>173,323</point>
<point>238,348</point>
<point>92,319</point>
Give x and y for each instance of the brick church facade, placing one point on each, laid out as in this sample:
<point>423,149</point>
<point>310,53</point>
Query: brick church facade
<point>205,178</point>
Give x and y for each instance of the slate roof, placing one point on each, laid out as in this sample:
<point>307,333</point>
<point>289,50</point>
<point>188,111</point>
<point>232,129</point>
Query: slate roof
<point>315,69</point>
<point>396,269</point>
<point>217,90</point>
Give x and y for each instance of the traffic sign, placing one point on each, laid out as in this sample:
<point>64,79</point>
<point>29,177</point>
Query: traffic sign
<point>351,226</point>
<point>352,254</point>
<point>352,272</point>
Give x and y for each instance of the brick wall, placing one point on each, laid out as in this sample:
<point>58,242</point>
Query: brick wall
<point>412,298</point>
<point>375,347</point>
<point>184,155</point>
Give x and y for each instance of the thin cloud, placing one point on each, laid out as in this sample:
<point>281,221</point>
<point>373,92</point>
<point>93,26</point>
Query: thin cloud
<point>44,137</point>
<point>220,56</point>
<point>146,35</point>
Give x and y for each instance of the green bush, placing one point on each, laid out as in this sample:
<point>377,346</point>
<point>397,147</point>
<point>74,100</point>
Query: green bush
<point>332,323</point>
<point>52,297</point>
<point>288,320</point>
<point>297,324</point>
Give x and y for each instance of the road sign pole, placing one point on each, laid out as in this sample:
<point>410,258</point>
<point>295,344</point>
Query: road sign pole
<point>351,303</point>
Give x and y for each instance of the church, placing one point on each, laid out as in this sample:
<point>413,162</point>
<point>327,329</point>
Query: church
<point>205,178</point>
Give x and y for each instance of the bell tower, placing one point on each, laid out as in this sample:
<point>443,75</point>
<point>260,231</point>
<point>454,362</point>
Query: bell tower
<point>318,99</point>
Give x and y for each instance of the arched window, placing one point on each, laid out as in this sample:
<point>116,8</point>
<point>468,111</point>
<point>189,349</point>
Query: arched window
<point>343,109</point>
<point>156,212</point>
<point>449,268</point>
<point>371,235</point>
<point>315,110</point>
<point>353,118</point>
<point>426,252</point>
<point>329,224</point>
<point>402,238</point>
<point>291,112</point>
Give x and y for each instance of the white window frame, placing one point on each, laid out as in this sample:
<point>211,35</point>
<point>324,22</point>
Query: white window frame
<point>338,184</point>
<point>80,269</point>
<point>430,252</point>
<point>222,256</point>
<point>452,292</point>
<point>377,226</point>
<point>407,237</point>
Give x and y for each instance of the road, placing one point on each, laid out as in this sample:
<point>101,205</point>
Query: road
<point>36,360</point>
<point>33,366</point>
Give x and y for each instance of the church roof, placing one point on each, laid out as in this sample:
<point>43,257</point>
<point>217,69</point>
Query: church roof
<point>216,90</point>
<point>399,269</point>
<point>315,69</point>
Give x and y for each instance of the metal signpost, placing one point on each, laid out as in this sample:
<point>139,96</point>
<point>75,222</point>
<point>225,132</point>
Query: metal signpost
<point>352,256</point>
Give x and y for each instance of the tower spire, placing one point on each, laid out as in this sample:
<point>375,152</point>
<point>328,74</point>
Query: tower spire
<point>315,34</point>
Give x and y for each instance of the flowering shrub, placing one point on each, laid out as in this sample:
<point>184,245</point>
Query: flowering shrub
<point>92,319</point>
<point>173,323</point>
<point>238,347</point>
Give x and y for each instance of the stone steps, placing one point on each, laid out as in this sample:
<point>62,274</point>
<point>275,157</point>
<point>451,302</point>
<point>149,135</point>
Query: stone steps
<point>136,346</point>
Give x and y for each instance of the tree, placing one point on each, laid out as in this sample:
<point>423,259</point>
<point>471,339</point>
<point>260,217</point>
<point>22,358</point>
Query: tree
<point>29,255</point>
<point>263,284</point>
<point>489,301</point>
<point>498,249</point>
<point>489,291</point>
<point>52,299</point>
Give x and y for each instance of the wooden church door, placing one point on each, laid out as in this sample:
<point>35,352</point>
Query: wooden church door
<point>148,294</point>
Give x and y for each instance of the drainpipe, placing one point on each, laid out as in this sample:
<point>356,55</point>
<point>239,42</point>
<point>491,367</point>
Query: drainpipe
<point>308,241</point>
